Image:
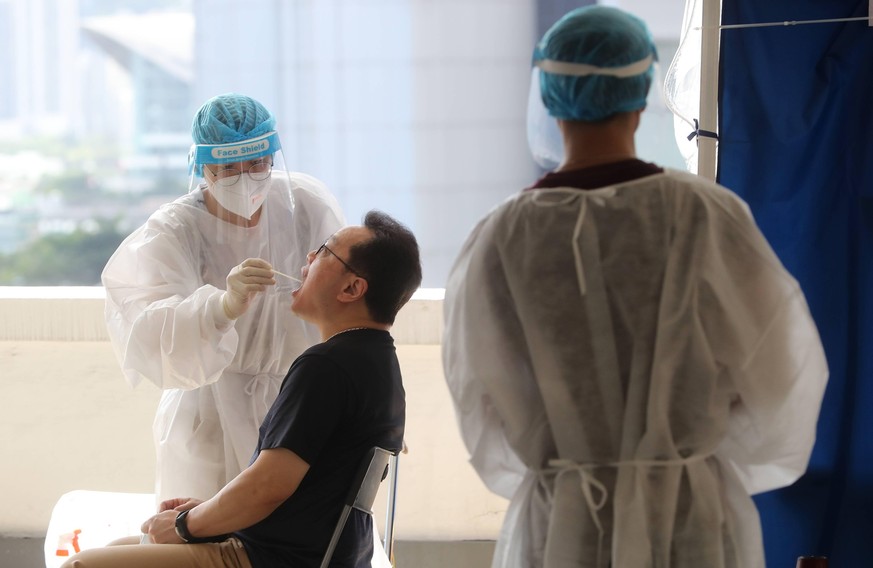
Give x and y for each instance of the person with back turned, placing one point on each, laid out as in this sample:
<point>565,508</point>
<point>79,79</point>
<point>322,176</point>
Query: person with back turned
<point>628,358</point>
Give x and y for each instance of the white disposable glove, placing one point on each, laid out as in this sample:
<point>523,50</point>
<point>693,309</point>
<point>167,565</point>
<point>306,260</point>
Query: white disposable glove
<point>243,283</point>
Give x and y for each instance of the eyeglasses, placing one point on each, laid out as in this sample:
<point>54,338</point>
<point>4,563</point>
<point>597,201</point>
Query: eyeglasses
<point>258,171</point>
<point>346,264</point>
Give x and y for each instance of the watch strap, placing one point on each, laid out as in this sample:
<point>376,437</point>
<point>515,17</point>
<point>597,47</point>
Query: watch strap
<point>185,534</point>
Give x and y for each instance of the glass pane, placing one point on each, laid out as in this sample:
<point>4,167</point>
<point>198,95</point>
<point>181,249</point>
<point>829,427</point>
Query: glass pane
<point>413,107</point>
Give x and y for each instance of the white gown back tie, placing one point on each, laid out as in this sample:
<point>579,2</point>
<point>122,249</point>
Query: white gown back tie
<point>591,485</point>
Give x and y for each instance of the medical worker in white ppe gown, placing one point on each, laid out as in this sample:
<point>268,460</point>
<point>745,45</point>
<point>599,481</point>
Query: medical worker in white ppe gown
<point>193,304</point>
<point>628,358</point>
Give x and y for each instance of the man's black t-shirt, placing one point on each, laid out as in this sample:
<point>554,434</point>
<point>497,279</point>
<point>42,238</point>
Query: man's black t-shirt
<point>339,399</point>
<point>601,175</point>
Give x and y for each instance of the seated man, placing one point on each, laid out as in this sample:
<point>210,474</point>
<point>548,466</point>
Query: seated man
<point>340,398</point>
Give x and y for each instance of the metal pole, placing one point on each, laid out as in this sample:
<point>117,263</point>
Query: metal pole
<point>709,45</point>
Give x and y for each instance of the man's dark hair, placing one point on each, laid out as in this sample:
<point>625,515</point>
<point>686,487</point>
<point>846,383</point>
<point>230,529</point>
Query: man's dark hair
<point>390,263</point>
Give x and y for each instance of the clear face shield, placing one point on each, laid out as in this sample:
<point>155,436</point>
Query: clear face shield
<point>543,135</point>
<point>252,213</point>
<point>239,175</point>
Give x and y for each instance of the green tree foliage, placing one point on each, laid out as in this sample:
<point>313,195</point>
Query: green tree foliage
<point>74,259</point>
<point>75,187</point>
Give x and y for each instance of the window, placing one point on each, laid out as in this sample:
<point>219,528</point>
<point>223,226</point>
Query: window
<point>414,107</point>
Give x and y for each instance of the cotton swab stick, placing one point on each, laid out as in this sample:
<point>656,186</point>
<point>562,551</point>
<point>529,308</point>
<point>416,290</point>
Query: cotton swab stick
<point>287,276</point>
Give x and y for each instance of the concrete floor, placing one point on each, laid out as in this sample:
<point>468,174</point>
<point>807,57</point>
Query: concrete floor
<point>21,552</point>
<point>28,553</point>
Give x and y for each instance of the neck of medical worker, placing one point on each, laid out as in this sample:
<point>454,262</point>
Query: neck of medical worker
<point>589,144</point>
<point>214,207</point>
<point>348,318</point>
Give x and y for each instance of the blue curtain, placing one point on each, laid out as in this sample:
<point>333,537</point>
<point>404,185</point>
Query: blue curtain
<point>796,142</point>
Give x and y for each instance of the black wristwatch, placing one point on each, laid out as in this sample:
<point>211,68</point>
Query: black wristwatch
<point>184,534</point>
<point>182,527</point>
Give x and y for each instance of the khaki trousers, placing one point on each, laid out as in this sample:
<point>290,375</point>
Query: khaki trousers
<point>227,554</point>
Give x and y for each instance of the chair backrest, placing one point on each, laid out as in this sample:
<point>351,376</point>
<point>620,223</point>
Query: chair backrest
<point>388,537</point>
<point>362,493</point>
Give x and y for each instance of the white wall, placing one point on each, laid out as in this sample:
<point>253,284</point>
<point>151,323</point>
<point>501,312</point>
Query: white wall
<point>69,421</point>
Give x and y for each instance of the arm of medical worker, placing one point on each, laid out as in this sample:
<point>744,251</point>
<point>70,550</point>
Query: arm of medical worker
<point>781,384</point>
<point>487,365</point>
<point>249,498</point>
<point>164,324</point>
<point>765,338</point>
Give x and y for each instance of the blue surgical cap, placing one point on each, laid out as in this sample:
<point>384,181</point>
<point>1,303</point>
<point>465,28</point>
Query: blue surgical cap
<point>605,38</point>
<point>231,118</point>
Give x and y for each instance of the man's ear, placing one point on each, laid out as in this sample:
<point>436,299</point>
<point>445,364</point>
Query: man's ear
<point>353,291</point>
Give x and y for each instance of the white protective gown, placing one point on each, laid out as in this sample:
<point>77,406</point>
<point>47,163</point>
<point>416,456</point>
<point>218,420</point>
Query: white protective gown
<point>628,365</point>
<point>165,320</point>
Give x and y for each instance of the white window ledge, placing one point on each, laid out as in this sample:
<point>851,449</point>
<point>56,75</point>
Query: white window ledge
<point>75,313</point>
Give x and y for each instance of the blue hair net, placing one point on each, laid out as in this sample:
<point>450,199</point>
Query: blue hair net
<point>609,44</point>
<point>229,118</point>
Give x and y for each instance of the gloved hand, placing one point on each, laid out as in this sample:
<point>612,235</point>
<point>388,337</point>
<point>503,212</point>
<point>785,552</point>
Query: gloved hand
<point>243,282</point>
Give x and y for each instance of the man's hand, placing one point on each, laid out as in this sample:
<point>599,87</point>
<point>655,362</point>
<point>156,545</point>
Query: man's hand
<point>178,504</point>
<point>248,499</point>
<point>161,528</point>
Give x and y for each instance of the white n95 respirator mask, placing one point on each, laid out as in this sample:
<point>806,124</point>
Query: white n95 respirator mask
<point>244,197</point>
<point>238,174</point>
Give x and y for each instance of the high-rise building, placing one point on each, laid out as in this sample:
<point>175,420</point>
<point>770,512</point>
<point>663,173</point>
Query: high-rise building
<point>38,71</point>
<point>415,107</point>
<point>155,50</point>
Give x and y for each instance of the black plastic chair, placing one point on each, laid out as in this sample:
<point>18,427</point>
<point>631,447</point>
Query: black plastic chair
<point>365,485</point>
